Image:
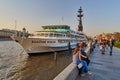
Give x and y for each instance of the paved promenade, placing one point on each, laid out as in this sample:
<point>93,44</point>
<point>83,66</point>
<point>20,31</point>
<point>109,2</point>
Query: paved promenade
<point>104,67</point>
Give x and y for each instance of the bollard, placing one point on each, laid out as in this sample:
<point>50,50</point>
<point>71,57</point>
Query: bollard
<point>69,47</point>
<point>55,56</point>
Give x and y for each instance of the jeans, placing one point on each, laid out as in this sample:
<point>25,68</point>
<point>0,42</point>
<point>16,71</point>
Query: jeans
<point>85,67</point>
<point>111,50</point>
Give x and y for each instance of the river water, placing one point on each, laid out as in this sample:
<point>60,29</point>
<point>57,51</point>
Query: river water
<point>16,64</point>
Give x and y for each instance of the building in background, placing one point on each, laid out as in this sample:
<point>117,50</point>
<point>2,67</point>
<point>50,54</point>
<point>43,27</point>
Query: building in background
<point>6,33</point>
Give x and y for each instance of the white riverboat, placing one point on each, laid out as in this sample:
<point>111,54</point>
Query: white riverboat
<point>52,38</point>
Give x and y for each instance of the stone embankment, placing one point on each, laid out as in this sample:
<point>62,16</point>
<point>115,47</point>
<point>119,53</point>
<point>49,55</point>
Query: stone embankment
<point>103,67</point>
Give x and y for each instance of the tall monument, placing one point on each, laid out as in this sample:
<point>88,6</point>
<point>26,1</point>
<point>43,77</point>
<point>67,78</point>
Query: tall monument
<point>80,15</point>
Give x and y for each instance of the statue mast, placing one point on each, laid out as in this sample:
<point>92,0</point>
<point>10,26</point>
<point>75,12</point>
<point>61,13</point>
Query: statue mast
<point>80,15</point>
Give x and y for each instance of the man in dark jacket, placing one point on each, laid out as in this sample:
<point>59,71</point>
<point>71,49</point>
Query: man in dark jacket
<point>111,43</point>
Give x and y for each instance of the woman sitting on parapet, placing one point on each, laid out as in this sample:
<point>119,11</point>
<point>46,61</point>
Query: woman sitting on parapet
<point>75,54</point>
<point>77,60</point>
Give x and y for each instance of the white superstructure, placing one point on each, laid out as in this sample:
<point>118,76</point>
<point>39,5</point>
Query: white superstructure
<point>52,38</point>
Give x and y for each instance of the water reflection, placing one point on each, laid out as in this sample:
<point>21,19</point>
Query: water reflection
<point>34,67</point>
<point>44,66</point>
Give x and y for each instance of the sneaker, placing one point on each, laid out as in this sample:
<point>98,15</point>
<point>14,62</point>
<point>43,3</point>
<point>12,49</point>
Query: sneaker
<point>83,74</point>
<point>90,73</point>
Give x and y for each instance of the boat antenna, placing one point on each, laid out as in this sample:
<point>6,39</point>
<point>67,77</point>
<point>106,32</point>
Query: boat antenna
<point>16,27</point>
<point>62,20</point>
<point>15,24</point>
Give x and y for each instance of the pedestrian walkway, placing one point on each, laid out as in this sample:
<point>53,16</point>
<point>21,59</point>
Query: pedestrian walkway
<point>103,67</point>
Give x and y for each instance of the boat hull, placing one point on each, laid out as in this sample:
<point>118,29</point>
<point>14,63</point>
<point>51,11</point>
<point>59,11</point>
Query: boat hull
<point>33,45</point>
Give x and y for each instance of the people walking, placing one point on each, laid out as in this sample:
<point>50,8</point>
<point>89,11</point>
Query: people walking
<point>111,43</point>
<point>102,46</point>
<point>90,44</point>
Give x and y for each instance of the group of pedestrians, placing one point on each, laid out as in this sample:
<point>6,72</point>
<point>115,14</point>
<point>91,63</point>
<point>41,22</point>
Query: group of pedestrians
<point>81,59</point>
<point>104,44</point>
<point>92,44</point>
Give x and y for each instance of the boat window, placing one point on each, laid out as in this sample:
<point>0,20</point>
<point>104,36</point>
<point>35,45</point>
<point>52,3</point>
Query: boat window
<point>62,41</point>
<point>52,27</point>
<point>46,35</point>
<point>54,41</point>
<point>41,41</point>
<point>55,35</point>
<point>50,41</point>
<point>72,36</point>
<point>55,27</point>
<point>63,27</point>
<point>59,35</point>
<point>66,28</point>
<point>68,35</point>
<point>40,34</point>
<point>51,35</point>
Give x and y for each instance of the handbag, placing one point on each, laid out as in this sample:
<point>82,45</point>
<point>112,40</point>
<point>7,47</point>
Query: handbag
<point>80,65</point>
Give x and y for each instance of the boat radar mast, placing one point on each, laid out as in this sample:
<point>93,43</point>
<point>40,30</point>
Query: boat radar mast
<point>80,15</point>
